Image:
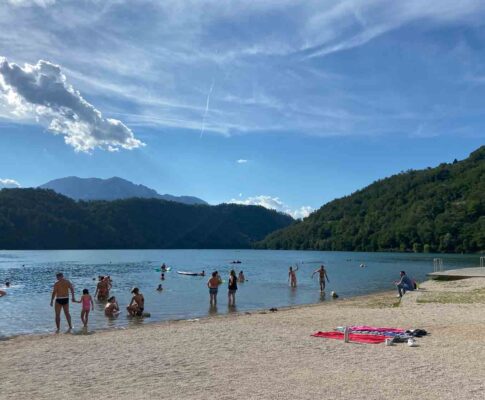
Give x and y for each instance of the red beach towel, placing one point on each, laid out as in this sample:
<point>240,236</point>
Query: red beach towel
<point>353,337</point>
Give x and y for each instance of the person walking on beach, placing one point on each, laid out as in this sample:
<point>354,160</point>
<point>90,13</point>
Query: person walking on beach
<point>137,303</point>
<point>404,284</point>
<point>87,305</point>
<point>292,276</point>
<point>213,285</point>
<point>322,274</point>
<point>60,293</point>
<point>232,288</point>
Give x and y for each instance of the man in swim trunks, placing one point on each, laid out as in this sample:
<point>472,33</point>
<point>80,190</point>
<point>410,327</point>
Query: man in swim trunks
<point>60,293</point>
<point>322,274</point>
<point>213,285</point>
<point>137,303</point>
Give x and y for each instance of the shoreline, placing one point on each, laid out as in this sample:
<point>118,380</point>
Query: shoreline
<point>267,355</point>
<point>232,314</point>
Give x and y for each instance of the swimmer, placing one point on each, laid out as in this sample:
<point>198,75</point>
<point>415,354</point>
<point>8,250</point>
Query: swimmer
<point>292,276</point>
<point>241,278</point>
<point>87,305</point>
<point>202,273</point>
<point>160,288</point>
<point>137,303</point>
<point>112,307</point>
<point>162,276</point>
<point>163,267</point>
<point>7,284</point>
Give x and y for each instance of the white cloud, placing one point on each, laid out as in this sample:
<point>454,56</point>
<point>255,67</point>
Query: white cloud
<point>41,92</point>
<point>9,183</point>
<point>242,161</point>
<point>274,203</point>
<point>28,3</point>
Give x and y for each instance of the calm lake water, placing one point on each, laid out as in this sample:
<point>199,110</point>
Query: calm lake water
<point>26,309</point>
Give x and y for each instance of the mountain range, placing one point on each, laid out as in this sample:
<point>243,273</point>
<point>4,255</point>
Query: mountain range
<point>44,219</point>
<point>110,189</point>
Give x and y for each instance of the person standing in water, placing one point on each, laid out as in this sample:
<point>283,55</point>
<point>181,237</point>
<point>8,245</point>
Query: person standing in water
<point>292,276</point>
<point>322,274</point>
<point>213,285</point>
<point>102,289</point>
<point>232,288</point>
<point>60,294</point>
<point>87,305</point>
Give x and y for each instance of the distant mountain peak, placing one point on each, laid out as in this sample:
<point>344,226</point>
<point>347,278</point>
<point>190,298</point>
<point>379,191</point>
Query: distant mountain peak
<point>113,188</point>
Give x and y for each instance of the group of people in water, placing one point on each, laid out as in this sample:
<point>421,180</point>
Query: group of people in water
<point>63,291</point>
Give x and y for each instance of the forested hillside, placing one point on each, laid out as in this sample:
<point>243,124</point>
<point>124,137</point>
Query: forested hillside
<point>439,209</point>
<point>43,219</point>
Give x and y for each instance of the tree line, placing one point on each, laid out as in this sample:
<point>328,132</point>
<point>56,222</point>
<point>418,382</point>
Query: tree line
<point>438,209</point>
<point>43,219</point>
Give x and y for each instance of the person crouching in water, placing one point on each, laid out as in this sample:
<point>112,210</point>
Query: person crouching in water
<point>87,305</point>
<point>112,308</point>
<point>137,304</point>
<point>213,285</point>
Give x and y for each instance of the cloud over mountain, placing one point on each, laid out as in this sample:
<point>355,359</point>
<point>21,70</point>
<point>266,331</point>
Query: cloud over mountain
<point>41,92</point>
<point>8,183</point>
<point>274,203</point>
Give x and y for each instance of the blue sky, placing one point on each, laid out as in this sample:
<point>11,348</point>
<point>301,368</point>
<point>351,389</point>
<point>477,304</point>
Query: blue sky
<point>288,104</point>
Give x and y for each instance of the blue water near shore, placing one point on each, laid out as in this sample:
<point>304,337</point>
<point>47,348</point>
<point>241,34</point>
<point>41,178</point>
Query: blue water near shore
<point>26,310</point>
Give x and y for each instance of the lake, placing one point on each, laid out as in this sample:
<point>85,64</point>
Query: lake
<point>26,310</point>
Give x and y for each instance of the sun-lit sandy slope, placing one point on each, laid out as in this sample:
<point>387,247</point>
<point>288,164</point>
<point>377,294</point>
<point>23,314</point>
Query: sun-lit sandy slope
<point>266,356</point>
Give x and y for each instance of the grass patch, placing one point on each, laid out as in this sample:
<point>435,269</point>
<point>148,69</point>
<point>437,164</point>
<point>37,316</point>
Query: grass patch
<point>474,296</point>
<point>382,300</point>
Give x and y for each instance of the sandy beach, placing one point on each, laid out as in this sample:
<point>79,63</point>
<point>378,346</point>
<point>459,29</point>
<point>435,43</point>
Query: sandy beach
<point>264,355</point>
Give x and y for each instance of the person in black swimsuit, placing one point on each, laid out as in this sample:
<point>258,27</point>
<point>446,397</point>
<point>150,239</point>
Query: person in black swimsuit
<point>61,294</point>
<point>232,288</point>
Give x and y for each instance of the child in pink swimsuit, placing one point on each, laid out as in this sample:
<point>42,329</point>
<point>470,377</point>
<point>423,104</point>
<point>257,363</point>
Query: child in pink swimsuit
<point>86,306</point>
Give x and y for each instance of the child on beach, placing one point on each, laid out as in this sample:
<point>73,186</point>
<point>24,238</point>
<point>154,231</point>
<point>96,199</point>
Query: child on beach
<point>87,305</point>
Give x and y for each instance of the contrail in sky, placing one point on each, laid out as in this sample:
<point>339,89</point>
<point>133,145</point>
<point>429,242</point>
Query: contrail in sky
<point>206,108</point>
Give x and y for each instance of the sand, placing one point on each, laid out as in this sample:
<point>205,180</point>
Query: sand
<point>265,355</point>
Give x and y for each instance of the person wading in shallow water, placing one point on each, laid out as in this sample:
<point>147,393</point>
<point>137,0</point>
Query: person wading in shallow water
<point>61,295</point>
<point>322,274</point>
<point>292,276</point>
<point>102,289</point>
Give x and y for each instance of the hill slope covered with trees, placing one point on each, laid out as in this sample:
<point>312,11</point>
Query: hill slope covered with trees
<point>43,219</point>
<point>438,209</point>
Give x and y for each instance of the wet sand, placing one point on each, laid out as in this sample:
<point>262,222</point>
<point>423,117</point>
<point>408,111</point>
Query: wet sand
<point>266,355</point>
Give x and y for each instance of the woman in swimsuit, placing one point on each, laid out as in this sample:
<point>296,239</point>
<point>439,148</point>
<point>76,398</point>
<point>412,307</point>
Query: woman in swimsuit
<point>232,288</point>
<point>102,289</point>
<point>87,305</point>
<point>292,276</point>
